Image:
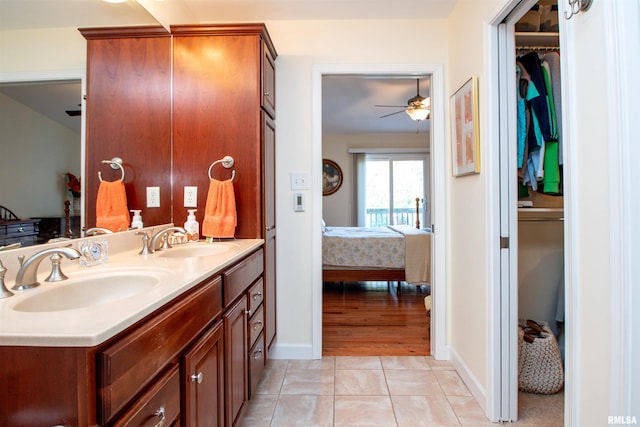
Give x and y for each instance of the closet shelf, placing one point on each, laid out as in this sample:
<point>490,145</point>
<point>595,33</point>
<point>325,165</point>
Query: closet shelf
<point>540,214</point>
<point>543,39</point>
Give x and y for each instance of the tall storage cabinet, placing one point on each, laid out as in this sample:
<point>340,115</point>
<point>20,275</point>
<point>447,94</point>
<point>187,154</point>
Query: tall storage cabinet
<point>170,104</point>
<point>224,104</point>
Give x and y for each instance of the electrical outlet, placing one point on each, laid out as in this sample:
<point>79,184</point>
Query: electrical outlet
<point>190,197</point>
<point>153,197</point>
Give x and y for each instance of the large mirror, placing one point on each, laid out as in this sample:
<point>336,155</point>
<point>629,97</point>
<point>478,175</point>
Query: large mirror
<point>40,154</point>
<point>43,52</point>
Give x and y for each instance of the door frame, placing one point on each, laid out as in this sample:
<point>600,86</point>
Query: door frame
<point>437,131</point>
<point>502,378</point>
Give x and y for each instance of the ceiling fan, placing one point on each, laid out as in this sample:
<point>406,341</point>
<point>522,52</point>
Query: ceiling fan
<point>418,107</point>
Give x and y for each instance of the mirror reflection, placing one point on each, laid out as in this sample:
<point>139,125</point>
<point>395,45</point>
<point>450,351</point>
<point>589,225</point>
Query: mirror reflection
<point>40,160</point>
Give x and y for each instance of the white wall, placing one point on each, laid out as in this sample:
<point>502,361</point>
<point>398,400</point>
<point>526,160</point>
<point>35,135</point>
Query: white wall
<point>338,208</point>
<point>34,157</point>
<point>300,46</point>
<point>467,209</point>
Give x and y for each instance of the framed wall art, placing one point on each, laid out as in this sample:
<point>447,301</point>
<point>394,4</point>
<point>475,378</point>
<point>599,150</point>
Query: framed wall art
<point>465,137</point>
<point>331,177</point>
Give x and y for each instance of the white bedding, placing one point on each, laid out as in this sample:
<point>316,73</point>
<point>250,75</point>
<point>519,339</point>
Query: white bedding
<point>384,247</point>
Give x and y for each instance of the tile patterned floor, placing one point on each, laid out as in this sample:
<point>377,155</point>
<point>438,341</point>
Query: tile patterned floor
<point>387,391</point>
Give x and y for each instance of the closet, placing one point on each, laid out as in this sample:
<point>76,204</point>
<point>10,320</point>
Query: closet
<point>540,168</point>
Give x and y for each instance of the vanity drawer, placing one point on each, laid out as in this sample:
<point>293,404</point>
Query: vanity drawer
<point>255,295</point>
<point>256,364</point>
<point>240,276</point>
<point>160,402</point>
<point>128,365</point>
<point>256,325</point>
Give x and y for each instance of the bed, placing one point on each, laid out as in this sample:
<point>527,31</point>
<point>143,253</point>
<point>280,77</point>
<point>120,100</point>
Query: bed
<point>392,253</point>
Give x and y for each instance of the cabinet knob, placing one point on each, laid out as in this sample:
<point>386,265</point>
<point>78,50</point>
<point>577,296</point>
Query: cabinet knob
<point>257,354</point>
<point>160,414</point>
<point>197,377</point>
<point>257,295</point>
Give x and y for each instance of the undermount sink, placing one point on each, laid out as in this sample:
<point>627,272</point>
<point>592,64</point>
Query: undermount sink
<point>194,250</point>
<point>83,292</point>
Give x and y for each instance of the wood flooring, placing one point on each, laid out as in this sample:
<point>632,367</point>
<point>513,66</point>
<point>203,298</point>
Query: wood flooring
<point>373,319</point>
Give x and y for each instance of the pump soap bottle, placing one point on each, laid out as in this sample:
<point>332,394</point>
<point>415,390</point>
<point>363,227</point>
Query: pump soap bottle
<point>192,226</point>
<point>136,222</point>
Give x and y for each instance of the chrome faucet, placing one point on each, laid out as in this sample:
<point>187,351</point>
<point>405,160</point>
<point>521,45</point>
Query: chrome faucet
<point>26,278</point>
<point>163,235</point>
<point>146,249</point>
<point>97,230</point>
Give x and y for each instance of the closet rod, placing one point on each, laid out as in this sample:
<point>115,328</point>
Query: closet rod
<point>533,219</point>
<point>544,48</point>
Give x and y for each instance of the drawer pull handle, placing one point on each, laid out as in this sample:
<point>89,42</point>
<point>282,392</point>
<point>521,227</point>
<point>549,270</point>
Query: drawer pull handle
<point>20,229</point>
<point>257,325</point>
<point>257,354</point>
<point>160,414</point>
<point>257,295</point>
<point>267,93</point>
<point>197,378</point>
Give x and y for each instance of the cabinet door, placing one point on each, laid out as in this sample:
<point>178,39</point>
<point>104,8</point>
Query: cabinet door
<point>268,82</point>
<point>236,360</point>
<point>203,380</point>
<point>269,143</point>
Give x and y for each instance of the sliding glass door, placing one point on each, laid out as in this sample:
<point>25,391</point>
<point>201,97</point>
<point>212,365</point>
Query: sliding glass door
<point>394,188</point>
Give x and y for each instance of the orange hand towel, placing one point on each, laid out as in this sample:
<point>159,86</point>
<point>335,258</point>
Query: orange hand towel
<point>111,206</point>
<point>220,217</point>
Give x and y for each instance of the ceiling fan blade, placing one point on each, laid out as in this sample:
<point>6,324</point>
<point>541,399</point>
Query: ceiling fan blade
<point>391,114</point>
<point>394,106</point>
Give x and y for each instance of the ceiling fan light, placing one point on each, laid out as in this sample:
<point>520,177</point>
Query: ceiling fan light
<point>418,113</point>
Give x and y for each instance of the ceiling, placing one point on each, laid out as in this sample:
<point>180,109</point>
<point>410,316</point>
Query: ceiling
<point>348,101</point>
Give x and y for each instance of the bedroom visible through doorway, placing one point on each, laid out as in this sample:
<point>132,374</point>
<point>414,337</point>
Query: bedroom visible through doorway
<point>368,318</point>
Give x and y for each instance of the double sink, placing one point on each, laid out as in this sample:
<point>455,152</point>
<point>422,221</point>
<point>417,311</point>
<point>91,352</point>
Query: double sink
<point>88,288</point>
<point>97,302</point>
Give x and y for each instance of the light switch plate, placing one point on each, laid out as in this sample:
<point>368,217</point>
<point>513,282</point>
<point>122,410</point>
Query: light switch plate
<point>153,197</point>
<point>300,181</point>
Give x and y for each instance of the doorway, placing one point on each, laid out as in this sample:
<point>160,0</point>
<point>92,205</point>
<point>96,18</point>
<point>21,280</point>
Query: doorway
<point>516,262</point>
<point>437,189</point>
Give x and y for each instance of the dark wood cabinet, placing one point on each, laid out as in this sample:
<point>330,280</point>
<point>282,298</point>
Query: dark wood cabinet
<point>191,363</point>
<point>235,362</point>
<point>23,231</point>
<point>203,380</point>
<point>269,232</point>
<point>189,97</point>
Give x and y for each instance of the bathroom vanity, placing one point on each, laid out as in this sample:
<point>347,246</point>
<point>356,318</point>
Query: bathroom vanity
<point>185,345</point>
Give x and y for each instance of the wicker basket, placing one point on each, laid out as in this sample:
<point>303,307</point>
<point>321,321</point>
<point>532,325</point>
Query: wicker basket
<point>540,367</point>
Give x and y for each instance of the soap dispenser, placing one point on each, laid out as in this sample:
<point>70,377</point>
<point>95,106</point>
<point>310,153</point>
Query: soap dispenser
<point>192,226</point>
<point>136,222</point>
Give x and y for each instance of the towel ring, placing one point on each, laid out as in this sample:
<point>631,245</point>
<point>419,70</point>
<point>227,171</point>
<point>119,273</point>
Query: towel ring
<point>227,162</point>
<point>116,163</point>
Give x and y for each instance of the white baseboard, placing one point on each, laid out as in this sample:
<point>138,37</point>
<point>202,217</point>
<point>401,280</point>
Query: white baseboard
<point>291,351</point>
<point>472,383</point>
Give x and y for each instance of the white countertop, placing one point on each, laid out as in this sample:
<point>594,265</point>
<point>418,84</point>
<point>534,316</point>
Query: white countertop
<point>90,326</point>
